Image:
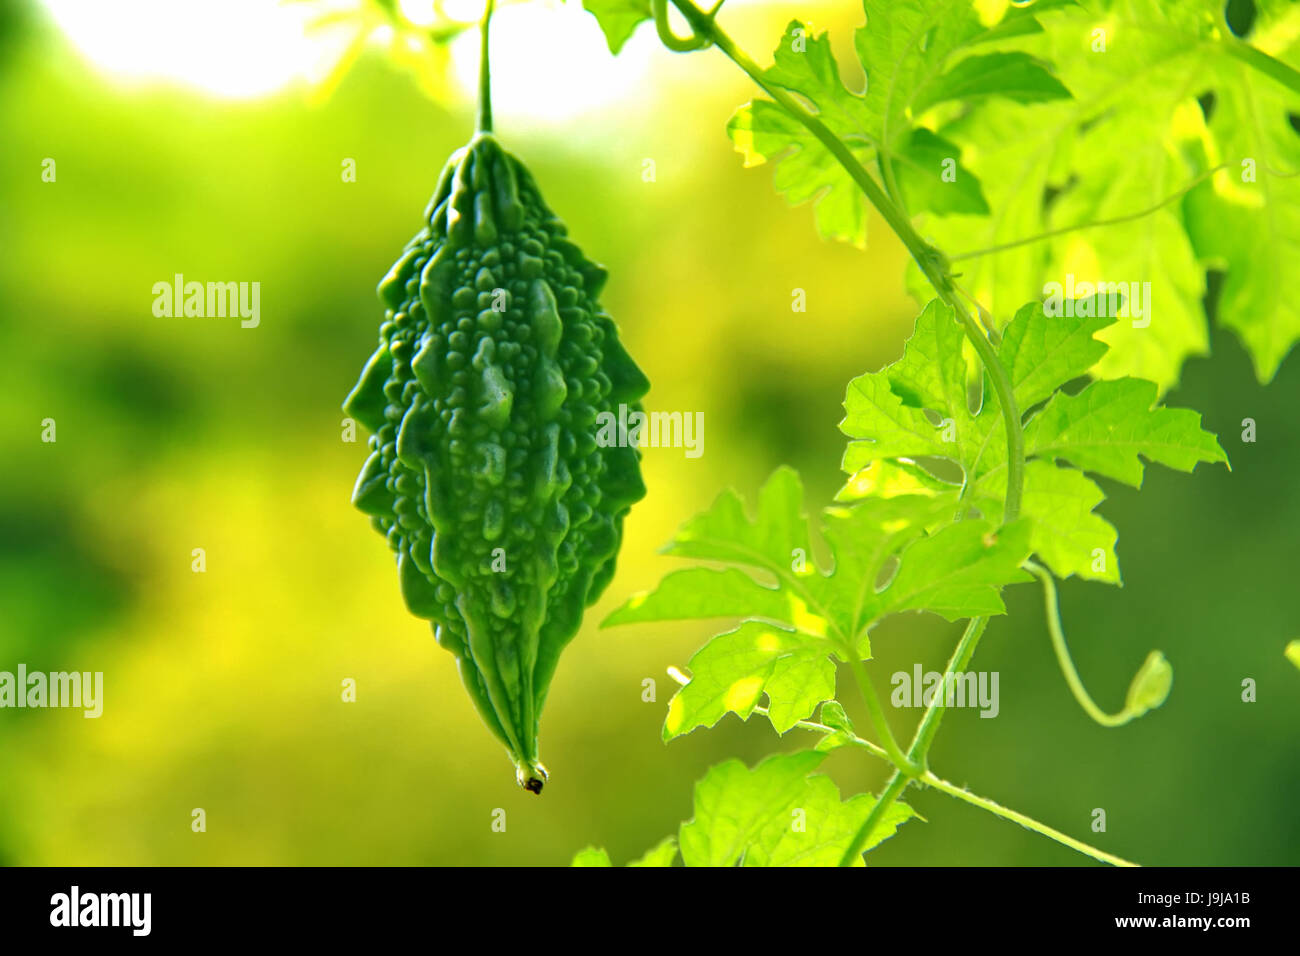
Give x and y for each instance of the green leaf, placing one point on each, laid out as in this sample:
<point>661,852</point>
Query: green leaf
<point>833,716</point>
<point>1015,150</point>
<point>1293,653</point>
<point>824,827</point>
<point>1253,228</point>
<point>1151,684</point>
<point>886,411</point>
<point>618,18</point>
<point>775,540</point>
<point>664,853</point>
<point>904,48</point>
<point>1153,249</point>
<point>734,805</point>
<point>884,563</point>
<point>733,671</point>
<point>797,684</point>
<point>1108,425</point>
<point>661,854</point>
<point>777,814</point>
<point>1120,153</point>
<point>1068,535</point>
<point>831,742</point>
<point>918,408</point>
<point>1041,355</point>
<point>920,169</point>
<point>1017,76</point>
<point>888,478</point>
<point>591,856</point>
<point>805,169</point>
<point>1160,62</point>
<point>904,43</point>
<point>958,572</point>
<point>699,593</point>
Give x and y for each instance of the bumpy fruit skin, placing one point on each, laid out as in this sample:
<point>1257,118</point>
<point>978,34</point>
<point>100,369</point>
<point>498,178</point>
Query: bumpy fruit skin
<point>485,475</point>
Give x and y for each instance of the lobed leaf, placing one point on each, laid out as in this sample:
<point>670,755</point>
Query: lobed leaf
<point>734,669</point>
<point>805,170</point>
<point>886,561</point>
<point>918,408</point>
<point>698,593</point>
<point>1109,426</point>
<point>1252,228</point>
<point>1158,100</point>
<point>663,853</point>
<point>1068,535</point>
<point>1041,356</point>
<point>591,856</point>
<point>904,49</point>
<point>769,541</point>
<point>777,814</point>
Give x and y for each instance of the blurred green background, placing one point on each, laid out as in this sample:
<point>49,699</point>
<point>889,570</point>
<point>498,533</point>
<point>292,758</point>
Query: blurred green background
<point>223,688</point>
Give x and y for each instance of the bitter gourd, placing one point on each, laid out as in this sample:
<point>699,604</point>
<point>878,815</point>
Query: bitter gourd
<point>485,475</point>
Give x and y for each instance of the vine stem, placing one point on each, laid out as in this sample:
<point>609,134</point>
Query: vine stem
<point>920,747</point>
<point>706,26</point>
<point>1114,221</point>
<point>485,72</point>
<point>1027,822</point>
<point>1260,61</point>
<point>1063,653</point>
<point>904,762</point>
<point>931,261</point>
<point>934,266</point>
<point>930,779</point>
<point>961,657</point>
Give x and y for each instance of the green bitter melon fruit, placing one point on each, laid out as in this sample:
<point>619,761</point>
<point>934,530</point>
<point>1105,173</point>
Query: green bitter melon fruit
<point>485,475</point>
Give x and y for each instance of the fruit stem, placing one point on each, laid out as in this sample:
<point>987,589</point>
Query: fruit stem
<point>485,73</point>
